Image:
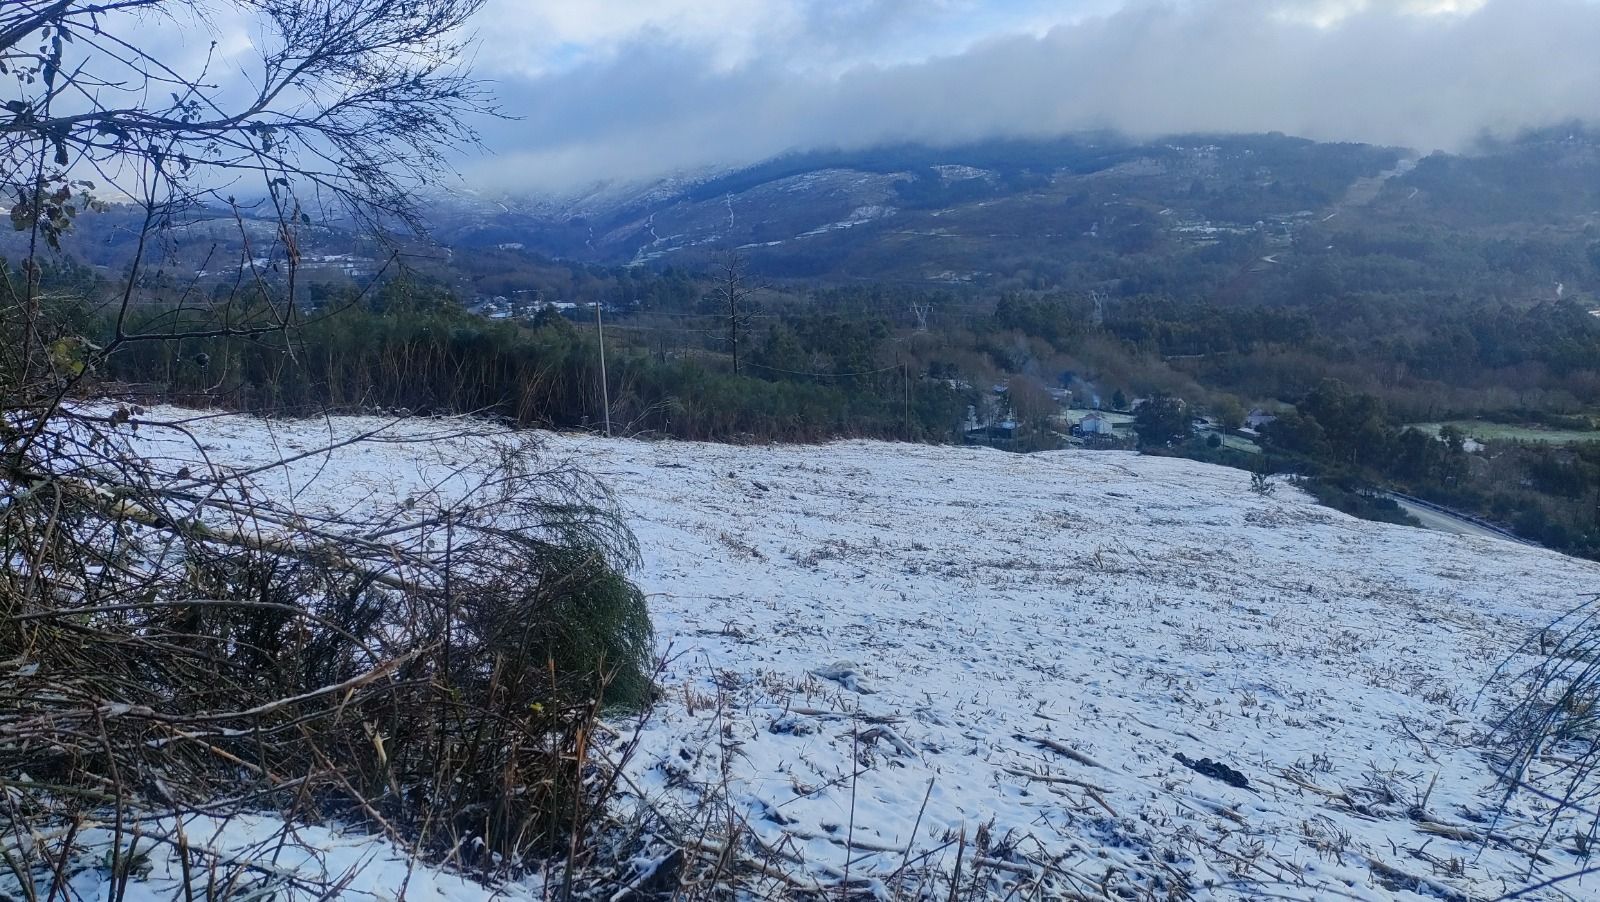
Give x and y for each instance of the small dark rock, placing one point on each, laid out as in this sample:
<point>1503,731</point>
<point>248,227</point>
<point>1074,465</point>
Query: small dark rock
<point>1216,770</point>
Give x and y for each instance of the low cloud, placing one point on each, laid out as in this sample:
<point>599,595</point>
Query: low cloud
<point>1429,74</point>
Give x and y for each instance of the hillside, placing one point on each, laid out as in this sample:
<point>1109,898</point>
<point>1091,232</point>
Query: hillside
<point>1015,649</point>
<point>1267,219</point>
<point>1057,212</point>
<point>938,214</point>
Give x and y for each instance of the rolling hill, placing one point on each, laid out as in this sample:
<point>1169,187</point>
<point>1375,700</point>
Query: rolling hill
<point>1094,675</point>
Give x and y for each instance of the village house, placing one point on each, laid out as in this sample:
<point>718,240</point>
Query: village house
<point>1258,418</point>
<point>1095,424</point>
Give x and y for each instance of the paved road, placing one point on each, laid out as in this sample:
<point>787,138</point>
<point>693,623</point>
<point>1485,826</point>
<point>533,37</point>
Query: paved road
<point>1434,518</point>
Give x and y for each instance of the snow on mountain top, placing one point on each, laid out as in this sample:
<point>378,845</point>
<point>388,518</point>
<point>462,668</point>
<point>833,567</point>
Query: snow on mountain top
<point>1014,649</point>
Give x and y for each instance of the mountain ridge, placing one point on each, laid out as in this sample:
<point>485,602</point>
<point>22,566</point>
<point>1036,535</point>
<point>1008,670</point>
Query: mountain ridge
<point>912,201</point>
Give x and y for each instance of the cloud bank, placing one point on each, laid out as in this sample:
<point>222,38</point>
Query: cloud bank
<point>672,86</point>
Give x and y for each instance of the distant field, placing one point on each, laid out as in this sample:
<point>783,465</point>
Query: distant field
<point>1488,432</point>
<point>1239,443</point>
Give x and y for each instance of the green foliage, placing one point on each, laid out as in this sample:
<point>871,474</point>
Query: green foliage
<point>1347,444</point>
<point>410,347</point>
<point>1296,433</point>
<point>1355,426</point>
<point>1057,319</point>
<point>1162,420</point>
<point>1228,412</point>
<point>1356,500</point>
<point>592,627</point>
<point>1353,432</point>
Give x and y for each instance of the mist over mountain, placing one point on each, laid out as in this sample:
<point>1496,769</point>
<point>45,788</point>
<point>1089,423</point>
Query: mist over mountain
<point>666,92</point>
<point>980,212</point>
<point>1090,211</point>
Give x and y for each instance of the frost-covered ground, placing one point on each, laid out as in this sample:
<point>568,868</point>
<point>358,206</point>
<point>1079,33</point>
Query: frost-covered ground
<point>254,862</point>
<point>1013,651</point>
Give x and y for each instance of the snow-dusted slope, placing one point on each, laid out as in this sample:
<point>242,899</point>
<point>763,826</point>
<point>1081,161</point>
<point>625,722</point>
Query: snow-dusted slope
<point>258,864</point>
<point>1015,648</point>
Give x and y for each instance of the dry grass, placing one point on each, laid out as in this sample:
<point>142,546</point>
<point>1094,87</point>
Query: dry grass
<point>175,641</point>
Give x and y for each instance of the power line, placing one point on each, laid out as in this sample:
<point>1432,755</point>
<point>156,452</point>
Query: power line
<point>803,373</point>
<point>643,314</point>
<point>654,329</point>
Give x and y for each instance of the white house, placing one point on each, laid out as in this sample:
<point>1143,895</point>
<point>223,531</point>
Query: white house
<point>1095,424</point>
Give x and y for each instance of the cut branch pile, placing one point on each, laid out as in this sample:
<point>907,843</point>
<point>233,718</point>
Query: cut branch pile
<point>175,640</point>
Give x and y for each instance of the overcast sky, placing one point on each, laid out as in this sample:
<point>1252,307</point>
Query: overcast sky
<point>628,89</point>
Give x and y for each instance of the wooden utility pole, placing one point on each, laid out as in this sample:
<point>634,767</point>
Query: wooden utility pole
<point>605,388</point>
<point>905,371</point>
<point>905,378</point>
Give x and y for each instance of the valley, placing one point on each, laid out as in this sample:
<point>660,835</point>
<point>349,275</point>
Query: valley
<point>793,450</point>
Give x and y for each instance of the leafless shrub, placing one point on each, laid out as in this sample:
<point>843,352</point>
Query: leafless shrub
<point>178,640</point>
<point>173,636</point>
<point>1545,744</point>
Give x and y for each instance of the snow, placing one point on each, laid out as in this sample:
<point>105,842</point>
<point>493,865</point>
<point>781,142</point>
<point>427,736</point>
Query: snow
<point>859,216</point>
<point>959,173</point>
<point>1018,645</point>
<point>257,864</point>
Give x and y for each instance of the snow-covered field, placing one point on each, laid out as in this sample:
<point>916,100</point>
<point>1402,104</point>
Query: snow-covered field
<point>258,864</point>
<point>886,656</point>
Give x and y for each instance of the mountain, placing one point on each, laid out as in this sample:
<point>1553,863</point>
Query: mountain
<point>1073,212</point>
<point>1185,216</point>
<point>939,214</point>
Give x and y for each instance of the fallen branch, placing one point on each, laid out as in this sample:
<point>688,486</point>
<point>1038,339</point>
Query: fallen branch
<point>865,845</point>
<point>885,732</point>
<point>1054,778</point>
<point>1391,874</point>
<point>1061,749</point>
<point>846,715</point>
<point>1094,792</point>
